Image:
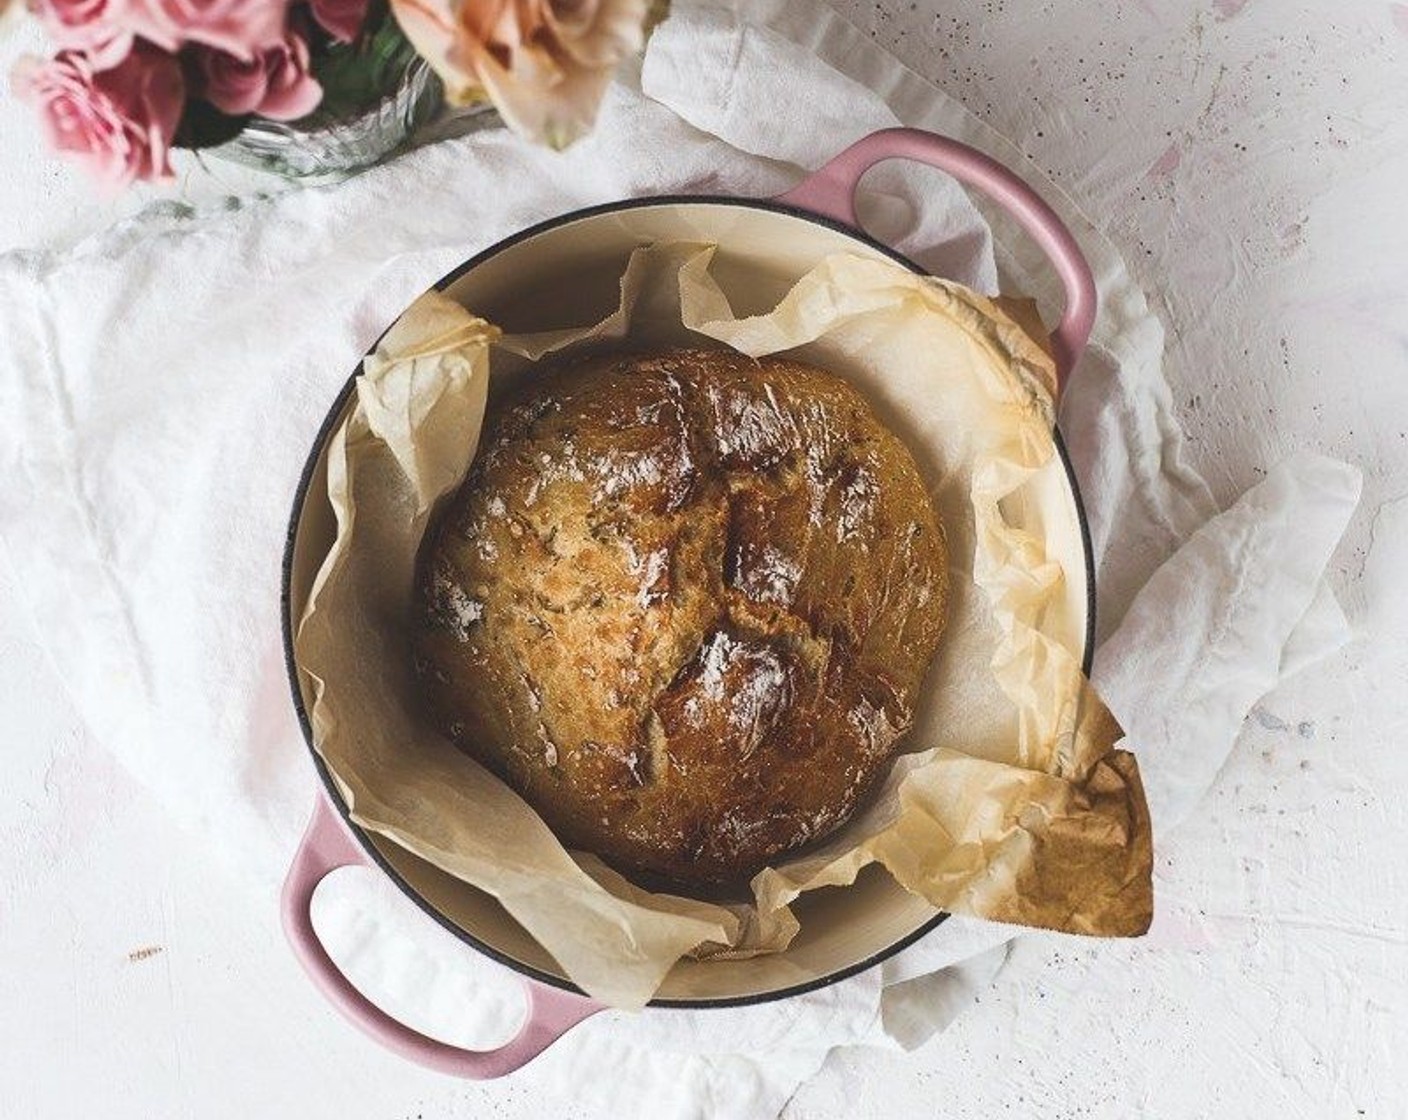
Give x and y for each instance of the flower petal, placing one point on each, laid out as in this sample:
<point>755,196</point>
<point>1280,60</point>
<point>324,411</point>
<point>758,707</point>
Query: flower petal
<point>292,102</point>
<point>430,27</point>
<point>544,99</point>
<point>600,35</point>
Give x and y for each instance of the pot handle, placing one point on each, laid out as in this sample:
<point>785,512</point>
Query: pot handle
<point>830,192</point>
<point>327,846</point>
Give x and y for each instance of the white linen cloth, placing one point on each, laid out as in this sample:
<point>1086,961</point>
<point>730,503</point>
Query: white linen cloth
<point>160,385</point>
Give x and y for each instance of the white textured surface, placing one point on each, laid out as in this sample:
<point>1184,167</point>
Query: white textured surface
<point>1246,155</point>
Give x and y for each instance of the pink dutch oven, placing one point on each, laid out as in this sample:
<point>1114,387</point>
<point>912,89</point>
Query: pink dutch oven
<point>764,246</point>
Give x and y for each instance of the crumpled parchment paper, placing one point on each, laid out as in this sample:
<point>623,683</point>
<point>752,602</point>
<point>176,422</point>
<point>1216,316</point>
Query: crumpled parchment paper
<point>1009,802</point>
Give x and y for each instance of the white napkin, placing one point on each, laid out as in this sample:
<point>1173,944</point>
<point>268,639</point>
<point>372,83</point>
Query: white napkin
<point>160,384</point>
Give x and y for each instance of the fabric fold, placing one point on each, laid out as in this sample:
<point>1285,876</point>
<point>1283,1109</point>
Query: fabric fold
<point>1234,594</point>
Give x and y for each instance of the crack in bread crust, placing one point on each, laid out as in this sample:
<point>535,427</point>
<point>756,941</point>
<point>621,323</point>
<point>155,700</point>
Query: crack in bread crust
<point>683,604</point>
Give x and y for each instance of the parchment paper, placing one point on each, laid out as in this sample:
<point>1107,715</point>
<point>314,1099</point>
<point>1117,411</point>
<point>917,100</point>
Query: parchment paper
<point>1010,804</point>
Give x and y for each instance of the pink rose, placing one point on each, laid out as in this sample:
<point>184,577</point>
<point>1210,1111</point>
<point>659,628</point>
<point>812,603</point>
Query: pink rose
<point>545,64</point>
<point>239,27</point>
<point>117,122</point>
<point>275,83</point>
<point>342,19</point>
<point>101,29</point>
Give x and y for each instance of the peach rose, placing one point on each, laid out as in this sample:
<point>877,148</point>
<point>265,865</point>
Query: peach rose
<point>117,122</point>
<point>545,64</point>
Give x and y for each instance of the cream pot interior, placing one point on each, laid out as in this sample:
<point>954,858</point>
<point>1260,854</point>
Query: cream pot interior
<point>565,273</point>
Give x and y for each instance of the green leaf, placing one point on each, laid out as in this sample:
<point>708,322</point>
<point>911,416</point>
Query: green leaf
<point>204,126</point>
<point>355,76</point>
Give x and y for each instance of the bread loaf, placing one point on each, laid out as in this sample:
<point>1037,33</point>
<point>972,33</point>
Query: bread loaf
<point>683,604</point>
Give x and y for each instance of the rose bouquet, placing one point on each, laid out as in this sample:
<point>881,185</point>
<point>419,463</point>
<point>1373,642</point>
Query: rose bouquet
<point>131,80</point>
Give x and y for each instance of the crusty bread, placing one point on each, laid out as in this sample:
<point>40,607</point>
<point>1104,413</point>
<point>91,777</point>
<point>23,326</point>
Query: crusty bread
<point>683,604</point>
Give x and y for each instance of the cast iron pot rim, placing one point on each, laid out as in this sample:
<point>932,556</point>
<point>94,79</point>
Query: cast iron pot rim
<point>300,497</point>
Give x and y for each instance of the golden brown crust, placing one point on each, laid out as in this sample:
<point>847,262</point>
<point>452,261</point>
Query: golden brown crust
<point>683,604</point>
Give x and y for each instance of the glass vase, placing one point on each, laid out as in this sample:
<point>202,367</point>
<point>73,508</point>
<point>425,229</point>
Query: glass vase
<point>328,143</point>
